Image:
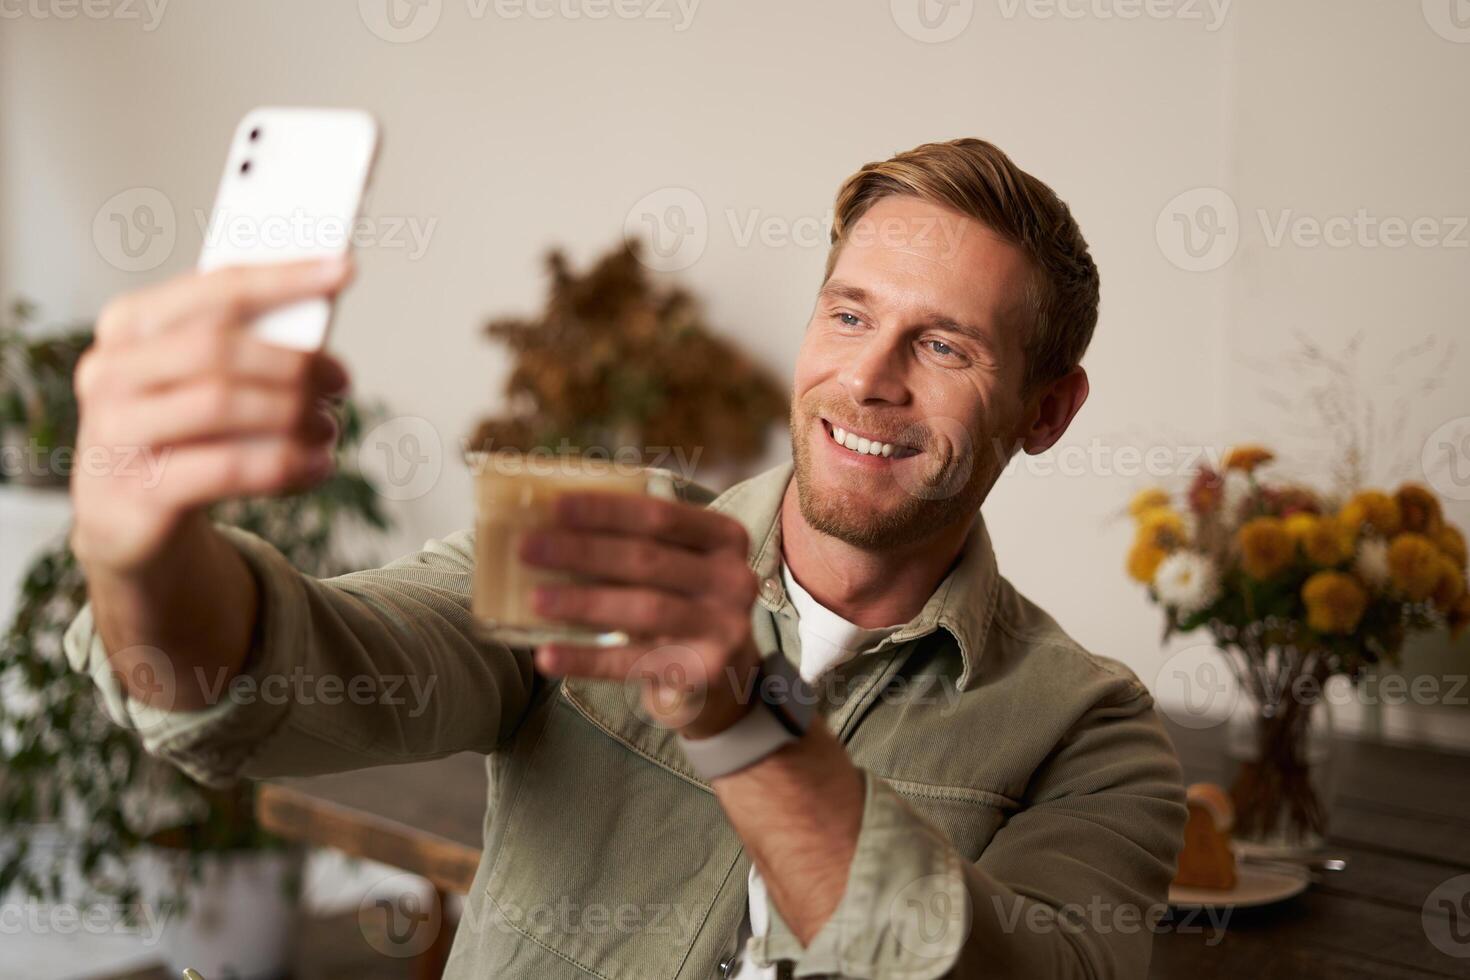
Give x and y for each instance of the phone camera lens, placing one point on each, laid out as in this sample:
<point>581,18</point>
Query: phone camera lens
<point>245,168</point>
<point>255,134</point>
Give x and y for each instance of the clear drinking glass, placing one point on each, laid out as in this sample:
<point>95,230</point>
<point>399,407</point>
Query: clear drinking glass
<point>514,493</point>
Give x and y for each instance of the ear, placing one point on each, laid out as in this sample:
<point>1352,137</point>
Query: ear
<point>1056,405</point>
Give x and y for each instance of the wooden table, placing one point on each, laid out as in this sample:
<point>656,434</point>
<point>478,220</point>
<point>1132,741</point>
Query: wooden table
<point>1401,818</point>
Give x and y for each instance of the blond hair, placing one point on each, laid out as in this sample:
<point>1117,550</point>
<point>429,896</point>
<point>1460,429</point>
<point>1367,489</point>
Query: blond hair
<point>978,180</point>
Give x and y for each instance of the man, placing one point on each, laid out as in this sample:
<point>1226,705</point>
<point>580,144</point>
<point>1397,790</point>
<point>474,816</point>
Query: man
<point>951,787</point>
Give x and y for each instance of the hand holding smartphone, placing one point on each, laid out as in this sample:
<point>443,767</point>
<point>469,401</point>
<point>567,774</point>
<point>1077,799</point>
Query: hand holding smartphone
<point>293,188</point>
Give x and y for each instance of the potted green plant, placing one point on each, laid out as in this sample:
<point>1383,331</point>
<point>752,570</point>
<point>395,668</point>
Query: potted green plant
<point>38,418</point>
<point>88,818</point>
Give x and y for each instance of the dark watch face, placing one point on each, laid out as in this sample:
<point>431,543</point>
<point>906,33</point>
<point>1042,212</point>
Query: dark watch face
<point>792,700</point>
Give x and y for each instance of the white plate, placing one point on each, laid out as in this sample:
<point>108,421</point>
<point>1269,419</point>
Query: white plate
<point>1254,885</point>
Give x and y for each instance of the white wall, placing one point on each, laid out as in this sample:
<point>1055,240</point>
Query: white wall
<point>512,133</point>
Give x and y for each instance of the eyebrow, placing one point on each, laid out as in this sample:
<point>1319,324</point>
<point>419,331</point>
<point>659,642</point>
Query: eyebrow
<point>836,289</point>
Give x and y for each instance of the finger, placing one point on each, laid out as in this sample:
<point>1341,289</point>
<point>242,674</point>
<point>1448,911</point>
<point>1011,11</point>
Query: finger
<point>192,476</point>
<point>668,520</point>
<point>639,611</point>
<point>189,354</point>
<point>641,561</point>
<point>233,294</point>
<point>215,409</point>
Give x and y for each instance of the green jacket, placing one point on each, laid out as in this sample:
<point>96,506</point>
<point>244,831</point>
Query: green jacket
<point>1023,804</point>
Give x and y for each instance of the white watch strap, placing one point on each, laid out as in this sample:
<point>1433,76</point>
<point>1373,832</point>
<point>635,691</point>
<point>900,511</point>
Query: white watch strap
<point>756,735</point>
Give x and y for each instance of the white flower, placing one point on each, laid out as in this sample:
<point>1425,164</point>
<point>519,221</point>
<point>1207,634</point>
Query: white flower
<point>1235,492</point>
<point>1372,562</point>
<point>1187,581</point>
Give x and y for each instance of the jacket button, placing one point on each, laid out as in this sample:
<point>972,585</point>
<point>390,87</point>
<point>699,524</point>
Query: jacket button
<point>728,966</point>
<point>769,588</point>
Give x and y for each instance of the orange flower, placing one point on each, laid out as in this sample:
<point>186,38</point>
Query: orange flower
<point>1160,527</point>
<point>1144,560</point>
<point>1373,509</point>
<point>1335,602</point>
<point>1248,457</point>
<point>1419,509</point>
<point>1322,540</point>
<point>1413,566</point>
<point>1265,547</point>
<point>1205,491</point>
<point>1147,499</point>
<point>1452,543</point>
<point>1449,586</point>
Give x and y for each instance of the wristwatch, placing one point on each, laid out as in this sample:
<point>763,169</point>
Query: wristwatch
<point>783,712</point>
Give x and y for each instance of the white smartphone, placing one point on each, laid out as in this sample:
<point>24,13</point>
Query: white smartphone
<point>293,189</point>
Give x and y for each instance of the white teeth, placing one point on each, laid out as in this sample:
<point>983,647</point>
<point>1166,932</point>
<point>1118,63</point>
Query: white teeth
<point>868,447</point>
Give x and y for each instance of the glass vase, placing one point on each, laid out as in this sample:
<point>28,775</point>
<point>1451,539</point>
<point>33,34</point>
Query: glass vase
<point>1280,757</point>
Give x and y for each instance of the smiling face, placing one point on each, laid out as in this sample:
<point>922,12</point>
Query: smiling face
<point>909,376</point>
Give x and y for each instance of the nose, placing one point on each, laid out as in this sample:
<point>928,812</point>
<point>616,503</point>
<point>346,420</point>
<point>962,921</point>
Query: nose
<point>875,374</point>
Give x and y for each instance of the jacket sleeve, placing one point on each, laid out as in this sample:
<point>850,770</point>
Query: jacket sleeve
<point>1071,886</point>
<point>371,668</point>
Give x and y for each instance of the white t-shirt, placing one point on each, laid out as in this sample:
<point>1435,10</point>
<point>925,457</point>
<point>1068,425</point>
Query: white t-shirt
<point>827,640</point>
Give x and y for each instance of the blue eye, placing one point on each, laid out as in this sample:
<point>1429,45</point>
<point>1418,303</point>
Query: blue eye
<point>848,319</point>
<point>941,348</point>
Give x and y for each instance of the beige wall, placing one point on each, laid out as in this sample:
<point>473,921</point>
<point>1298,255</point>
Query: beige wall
<point>511,133</point>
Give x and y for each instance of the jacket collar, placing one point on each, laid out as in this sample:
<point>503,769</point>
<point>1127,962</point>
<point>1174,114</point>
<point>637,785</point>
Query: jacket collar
<point>963,604</point>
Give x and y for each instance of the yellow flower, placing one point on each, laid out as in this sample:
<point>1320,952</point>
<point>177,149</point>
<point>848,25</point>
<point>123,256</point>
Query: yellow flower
<point>1248,457</point>
<point>1160,527</point>
<point>1449,585</point>
<point>1377,510</point>
<point>1322,540</point>
<point>1147,499</point>
<point>1335,602</point>
<point>1419,509</point>
<point>1450,541</point>
<point>1413,566</point>
<point>1265,547</point>
<point>1144,560</point>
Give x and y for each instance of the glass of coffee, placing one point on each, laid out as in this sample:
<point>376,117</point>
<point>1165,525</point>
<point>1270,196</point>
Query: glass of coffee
<point>515,493</point>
